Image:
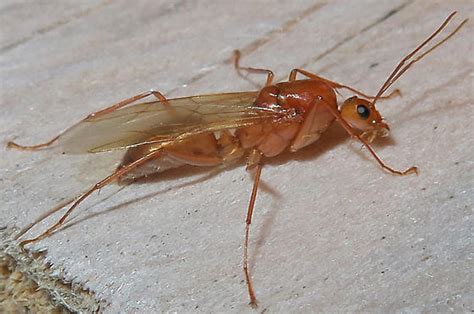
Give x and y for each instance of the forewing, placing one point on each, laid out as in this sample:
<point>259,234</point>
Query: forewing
<point>155,122</point>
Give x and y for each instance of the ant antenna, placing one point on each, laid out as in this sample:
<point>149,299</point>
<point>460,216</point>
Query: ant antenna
<point>401,67</point>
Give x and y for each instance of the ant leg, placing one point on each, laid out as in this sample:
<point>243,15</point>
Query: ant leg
<point>238,68</point>
<point>351,132</point>
<point>96,114</point>
<point>253,162</point>
<point>333,84</point>
<point>129,101</point>
<point>44,216</point>
<point>113,177</point>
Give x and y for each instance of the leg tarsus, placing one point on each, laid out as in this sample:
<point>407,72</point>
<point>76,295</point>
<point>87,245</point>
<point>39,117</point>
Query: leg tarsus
<point>248,279</point>
<point>44,216</point>
<point>13,145</point>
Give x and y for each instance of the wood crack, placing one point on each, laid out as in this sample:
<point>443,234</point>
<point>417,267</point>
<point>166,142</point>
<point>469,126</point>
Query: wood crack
<point>53,26</point>
<point>351,37</point>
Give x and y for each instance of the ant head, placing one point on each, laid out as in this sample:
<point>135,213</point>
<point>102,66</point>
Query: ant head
<point>364,117</point>
<point>362,114</point>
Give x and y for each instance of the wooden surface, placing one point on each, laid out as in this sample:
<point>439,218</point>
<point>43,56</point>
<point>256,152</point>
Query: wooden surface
<point>332,232</point>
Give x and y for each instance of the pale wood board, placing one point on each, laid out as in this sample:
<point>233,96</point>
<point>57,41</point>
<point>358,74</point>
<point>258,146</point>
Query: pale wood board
<point>332,232</point>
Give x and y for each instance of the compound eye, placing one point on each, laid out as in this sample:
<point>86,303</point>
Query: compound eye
<point>363,111</point>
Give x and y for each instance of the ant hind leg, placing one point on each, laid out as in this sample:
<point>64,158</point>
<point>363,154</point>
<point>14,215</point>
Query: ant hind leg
<point>93,115</point>
<point>74,202</point>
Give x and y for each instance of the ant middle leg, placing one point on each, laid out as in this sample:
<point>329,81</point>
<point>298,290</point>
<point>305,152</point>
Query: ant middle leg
<point>254,162</point>
<point>238,68</point>
<point>336,85</point>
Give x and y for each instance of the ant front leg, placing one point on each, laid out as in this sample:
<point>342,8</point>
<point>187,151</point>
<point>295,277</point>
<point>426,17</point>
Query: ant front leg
<point>238,68</point>
<point>96,114</point>
<point>253,162</point>
<point>336,85</point>
<point>351,132</point>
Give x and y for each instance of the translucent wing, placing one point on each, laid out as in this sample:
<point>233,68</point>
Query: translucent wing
<point>155,122</point>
